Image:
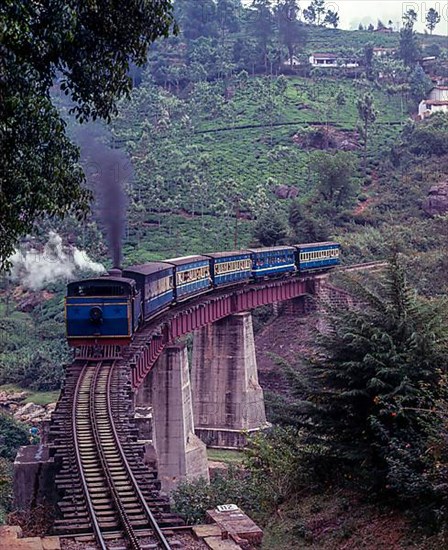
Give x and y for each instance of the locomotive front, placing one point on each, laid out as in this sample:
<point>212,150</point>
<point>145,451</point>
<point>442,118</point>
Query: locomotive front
<point>105,310</point>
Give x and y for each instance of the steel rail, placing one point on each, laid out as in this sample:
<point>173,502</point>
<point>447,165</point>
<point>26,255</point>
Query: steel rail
<point>154,525</point>
<point>96,527</point>
<point>366,265</point>
<point>126,523</point>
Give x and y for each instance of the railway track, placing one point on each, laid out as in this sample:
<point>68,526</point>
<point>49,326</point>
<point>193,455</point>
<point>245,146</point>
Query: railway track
<point>366,266</point>
<point>107,489</point>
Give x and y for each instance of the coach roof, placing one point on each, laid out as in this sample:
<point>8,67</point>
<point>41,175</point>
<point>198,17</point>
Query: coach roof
<point>228,254</point>
<point>186,260</point>
<point>146,269</point>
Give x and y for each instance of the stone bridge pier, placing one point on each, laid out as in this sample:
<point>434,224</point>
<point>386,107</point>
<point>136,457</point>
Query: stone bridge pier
<point>181,455</point>
<point>223,404</point>
<point>228,401</point>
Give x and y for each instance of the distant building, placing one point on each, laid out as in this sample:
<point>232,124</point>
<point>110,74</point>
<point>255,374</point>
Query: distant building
<point>385,30</point>
<point>382,52</point>
<point>437,102</point>
<point>439,93</point>
<point>428,107</point>
<point>331,60</point>
<point>295,62</point>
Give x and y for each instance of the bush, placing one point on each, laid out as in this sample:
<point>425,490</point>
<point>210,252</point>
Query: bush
<point>13,435</point>
<point>193,499</point>
<point>430,137</point>
<point>377,394</point>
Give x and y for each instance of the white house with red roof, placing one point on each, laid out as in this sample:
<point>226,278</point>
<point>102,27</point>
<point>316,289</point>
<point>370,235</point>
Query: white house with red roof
<point>437,102</point>
<point>383,52</point>
<point>331,60</point>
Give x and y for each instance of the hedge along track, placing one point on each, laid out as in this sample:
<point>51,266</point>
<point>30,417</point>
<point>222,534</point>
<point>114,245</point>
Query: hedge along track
<point>114,500</point>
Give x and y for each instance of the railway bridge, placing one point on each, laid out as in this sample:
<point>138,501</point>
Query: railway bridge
<point>92,463</point>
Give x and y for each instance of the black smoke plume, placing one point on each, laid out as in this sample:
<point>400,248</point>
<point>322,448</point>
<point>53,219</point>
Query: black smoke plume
<point>108,171</point>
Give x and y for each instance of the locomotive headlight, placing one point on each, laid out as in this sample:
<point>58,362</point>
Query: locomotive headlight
<point>96,315</point>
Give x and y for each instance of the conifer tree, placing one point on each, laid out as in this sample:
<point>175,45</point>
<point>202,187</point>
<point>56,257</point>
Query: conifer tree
<point>376,388</point>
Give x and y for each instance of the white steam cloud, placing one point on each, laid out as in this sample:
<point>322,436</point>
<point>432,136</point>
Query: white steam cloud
<point>35,269</point>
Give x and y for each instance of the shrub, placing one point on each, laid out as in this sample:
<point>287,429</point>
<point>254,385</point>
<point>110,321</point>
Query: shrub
<point>13,435</point>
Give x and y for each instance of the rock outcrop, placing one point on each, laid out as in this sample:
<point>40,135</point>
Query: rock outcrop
<point>286,192</point>
<point>436,203</point>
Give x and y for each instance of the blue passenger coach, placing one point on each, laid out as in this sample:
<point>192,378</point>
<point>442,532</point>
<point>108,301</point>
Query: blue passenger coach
<point>155,281</point>
<point>230,267</point>
<point>272,261</point>
<point>103,308</point>
<point>191,275</point>
<point>318,256</point>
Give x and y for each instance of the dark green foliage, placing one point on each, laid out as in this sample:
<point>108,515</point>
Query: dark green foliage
<point>368,60</point>
<point>409,45</point>
<point>332,18</point>
<point>33,352</point>
<point>334,173</point>
<point>272,472</point>
<point>430,137</point>
<point>376,408</point>
<point>274,462</point>
<point>12,436</point>
<point>291,31</point>
<point>6,477</point>
<point>432,19</point>
<point>307,226</point>
<point>419,84</point>
<point>270,230</point>
<point>196,18</point>
<point>88,47</point>
<point>193,499</point>
<point>367,116</point>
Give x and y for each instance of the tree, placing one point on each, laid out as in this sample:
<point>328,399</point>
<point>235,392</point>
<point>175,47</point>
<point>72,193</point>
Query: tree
<point>263,26</point>
<point>270,230</point>
<point>377,387</point>
<point>419,84</point>
<point>309,14</point>
<point>334,173</point>
<point>341,99</point>
<point>371,27</point>
<point>367,116</point>
<point>360,27</point>
<point>315,12</point>
<point>196,18</point>
<point>409,48</point>
<point>368,60</point>
<point>86,50</point>
<point>13,436</point>
<point>290,30</point>
<point>432,19</point>
<point>306,226</point>
<point>332,18</point>
<point>409,18</point>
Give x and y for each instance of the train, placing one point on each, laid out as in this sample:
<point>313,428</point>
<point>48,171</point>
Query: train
<point>110,309</point>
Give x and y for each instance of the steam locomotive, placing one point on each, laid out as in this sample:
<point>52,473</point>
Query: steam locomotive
<point>111,308</point>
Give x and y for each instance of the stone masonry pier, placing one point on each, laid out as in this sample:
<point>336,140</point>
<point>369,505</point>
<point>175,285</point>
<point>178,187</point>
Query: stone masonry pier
<point>228,401</point>
<point>181,455</point>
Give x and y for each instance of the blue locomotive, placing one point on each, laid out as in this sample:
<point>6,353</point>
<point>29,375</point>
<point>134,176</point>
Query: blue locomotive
<point>111,308</point>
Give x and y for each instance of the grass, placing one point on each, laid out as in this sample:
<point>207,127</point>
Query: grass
<point>42,398</point>
<point>226,456</point>
<point>38,397</point>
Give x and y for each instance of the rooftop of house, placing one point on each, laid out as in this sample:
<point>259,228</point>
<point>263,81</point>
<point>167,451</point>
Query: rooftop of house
<point>384,29</point>
<point>436,102</point>
<point>324,55</point>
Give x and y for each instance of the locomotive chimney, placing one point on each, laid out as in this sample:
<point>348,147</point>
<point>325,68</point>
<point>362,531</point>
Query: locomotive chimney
<point>115,272</point>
